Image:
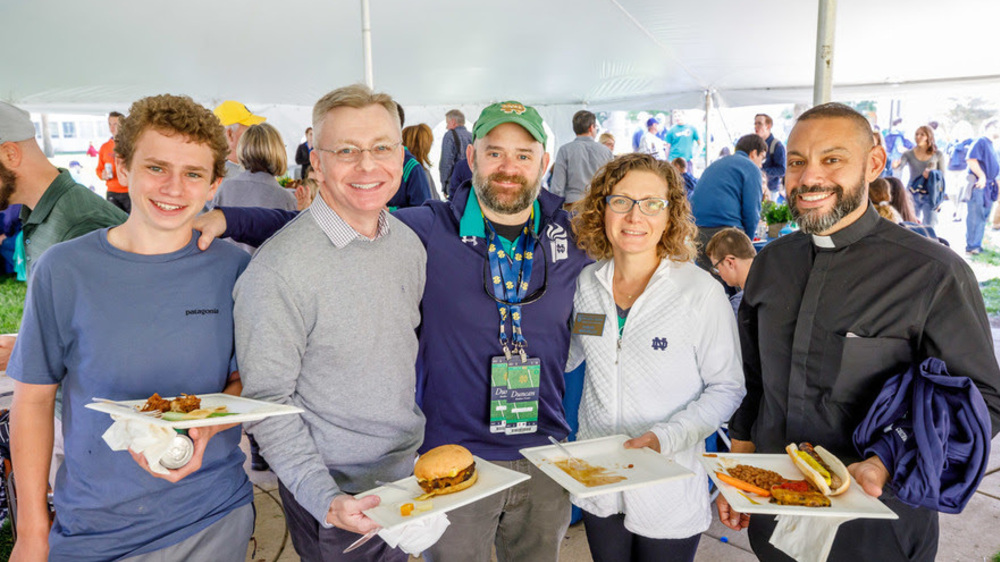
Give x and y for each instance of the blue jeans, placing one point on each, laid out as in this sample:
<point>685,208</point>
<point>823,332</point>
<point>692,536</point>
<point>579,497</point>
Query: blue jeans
<point>925,211</point>
<point>975,220</point>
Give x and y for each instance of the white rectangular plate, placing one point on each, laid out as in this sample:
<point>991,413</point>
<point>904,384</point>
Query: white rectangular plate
<point>852,503</point>
<point>245,410</point>
<point>492,479</point>
<point>648,466</point>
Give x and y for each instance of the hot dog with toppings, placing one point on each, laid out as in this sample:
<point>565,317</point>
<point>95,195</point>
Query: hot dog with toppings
<point>821,467</point>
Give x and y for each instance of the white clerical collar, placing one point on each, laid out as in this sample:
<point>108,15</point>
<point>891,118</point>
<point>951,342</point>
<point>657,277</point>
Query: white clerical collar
<point>823,241</point>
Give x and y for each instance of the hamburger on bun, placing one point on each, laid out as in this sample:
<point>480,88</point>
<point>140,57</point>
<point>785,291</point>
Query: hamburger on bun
<point>445,470</point>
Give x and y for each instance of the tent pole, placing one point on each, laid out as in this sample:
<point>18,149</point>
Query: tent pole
<point>366,42</point>
<point>823,79</point>
<point>708,112</point>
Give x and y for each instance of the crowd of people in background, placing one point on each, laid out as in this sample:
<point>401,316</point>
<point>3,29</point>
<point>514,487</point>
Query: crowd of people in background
<point>377,286</point>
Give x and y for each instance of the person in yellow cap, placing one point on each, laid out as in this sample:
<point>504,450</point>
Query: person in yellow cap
<point>236,118</point>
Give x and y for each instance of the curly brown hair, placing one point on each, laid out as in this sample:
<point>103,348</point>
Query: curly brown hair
<point>678,240</point>
<point>169,115</point>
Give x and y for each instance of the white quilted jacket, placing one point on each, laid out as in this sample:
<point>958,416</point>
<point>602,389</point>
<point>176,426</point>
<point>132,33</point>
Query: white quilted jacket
<point>677,373</point>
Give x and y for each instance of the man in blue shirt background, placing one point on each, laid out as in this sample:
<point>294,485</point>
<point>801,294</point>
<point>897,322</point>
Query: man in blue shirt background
<point>729,193</point>
<point>983,170</point>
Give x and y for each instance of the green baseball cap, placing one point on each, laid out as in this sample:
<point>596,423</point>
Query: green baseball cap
<point>510,112</point>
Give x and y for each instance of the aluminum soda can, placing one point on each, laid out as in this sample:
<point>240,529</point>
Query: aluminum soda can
<point>108,170</point>
<point>180,452</point>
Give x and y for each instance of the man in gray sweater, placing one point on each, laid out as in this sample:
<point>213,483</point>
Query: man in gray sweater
<point>326,317</point>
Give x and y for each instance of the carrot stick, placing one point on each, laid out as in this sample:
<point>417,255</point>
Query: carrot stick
<point>741,485</point>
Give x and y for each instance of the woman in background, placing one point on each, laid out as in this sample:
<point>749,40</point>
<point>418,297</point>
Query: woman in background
<point>920,160</point>
<point>262,154</point>
<point>901,199</point>
<point>608,140</point>
<point>418,139</point>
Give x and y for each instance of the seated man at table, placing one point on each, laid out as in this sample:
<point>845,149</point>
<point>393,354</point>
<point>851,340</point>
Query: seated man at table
<point>731,253</point>
<point>167,328</point>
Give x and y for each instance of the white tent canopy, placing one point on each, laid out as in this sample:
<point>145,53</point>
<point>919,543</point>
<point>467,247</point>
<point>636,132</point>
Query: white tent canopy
<point>432,55</point>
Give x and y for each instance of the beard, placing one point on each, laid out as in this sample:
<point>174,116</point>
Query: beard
<point>493,199</point>
<point>815,221</point>
<point>8,185</point>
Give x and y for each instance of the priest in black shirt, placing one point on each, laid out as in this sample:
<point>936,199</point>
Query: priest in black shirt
<point>831,312</point>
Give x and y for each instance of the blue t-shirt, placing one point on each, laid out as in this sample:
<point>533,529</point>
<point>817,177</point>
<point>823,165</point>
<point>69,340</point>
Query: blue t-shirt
<point>982,151</point>
<point>681,139</point>
<point>112,324</point>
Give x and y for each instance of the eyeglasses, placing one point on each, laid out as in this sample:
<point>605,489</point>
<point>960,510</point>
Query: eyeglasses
<point>650,206</point>
<point>353,154</point>
<point>715,266</point>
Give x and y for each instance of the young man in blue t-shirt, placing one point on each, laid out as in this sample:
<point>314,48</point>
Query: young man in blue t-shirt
<point>167,328</point>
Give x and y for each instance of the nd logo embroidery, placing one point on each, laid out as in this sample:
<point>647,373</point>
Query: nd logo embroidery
<point>512,108</point>
<point>660,343</point>
<point>558,242</point>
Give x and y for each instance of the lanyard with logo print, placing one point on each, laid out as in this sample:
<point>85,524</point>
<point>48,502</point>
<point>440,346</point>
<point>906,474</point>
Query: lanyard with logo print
<point>510,275</point>
<point>514,377</point>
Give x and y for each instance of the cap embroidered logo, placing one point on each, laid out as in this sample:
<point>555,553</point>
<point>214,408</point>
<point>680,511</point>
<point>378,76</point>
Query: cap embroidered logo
<point>512,108</point>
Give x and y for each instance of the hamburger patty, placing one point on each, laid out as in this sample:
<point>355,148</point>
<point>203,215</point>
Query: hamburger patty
<point>442,483</point>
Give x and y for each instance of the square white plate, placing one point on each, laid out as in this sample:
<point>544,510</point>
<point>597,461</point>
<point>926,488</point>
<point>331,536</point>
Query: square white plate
<point>852,503</point>
<point>648,466</point>
<point>492,479</point>
<point>245,410</point>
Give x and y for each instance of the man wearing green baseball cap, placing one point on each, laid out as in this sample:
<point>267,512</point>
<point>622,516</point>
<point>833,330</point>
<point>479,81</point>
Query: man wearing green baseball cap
<point>494,334</point>
<point>472,384</point>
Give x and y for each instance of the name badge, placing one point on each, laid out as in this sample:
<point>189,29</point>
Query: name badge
<point>523,381</point>
<point>588,324</point>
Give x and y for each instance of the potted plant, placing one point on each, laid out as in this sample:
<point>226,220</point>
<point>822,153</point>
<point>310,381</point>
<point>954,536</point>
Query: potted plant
<point>776,216</point>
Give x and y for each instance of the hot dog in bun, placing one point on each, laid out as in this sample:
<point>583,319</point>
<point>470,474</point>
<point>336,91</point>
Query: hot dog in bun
<point>820,467</point>
<point>445,470</point>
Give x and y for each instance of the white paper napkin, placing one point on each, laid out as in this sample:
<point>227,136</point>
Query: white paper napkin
<point>151,440</point>
<point>806,538</point>
<point>414,538</point>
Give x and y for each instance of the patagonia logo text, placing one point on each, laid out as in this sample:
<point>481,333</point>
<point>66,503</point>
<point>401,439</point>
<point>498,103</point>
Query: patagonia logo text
<point>659,343</point>
<point>201,311</point>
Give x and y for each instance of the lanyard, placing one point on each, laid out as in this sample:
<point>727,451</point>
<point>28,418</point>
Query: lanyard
<point>510,276</point>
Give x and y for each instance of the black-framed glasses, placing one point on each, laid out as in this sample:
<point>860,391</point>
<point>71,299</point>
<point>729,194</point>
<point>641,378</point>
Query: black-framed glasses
<point>353,154</point>
<point>715,266</point>
<point>650,206</point>
<point>537,294</point>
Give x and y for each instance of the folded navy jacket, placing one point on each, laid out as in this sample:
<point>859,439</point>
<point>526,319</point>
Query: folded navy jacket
<point>932,431</point>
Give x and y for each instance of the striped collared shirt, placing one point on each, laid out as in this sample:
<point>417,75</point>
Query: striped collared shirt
<point>337,229</point>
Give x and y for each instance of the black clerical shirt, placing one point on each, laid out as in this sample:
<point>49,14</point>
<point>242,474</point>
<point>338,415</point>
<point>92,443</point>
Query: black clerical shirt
<point>825,321</point>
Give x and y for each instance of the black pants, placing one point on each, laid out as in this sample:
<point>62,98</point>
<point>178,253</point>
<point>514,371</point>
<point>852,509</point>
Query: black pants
<point>912,537</point>
<point>120,200</point>
<point>314,543</point>
<point>610,541</point>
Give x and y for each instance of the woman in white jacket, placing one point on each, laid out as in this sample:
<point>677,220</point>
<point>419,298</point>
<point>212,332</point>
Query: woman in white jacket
<point>666,370</point>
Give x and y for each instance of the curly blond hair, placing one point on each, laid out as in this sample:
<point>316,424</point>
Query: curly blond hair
<point>678,240</point>
<point>170,115</point>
